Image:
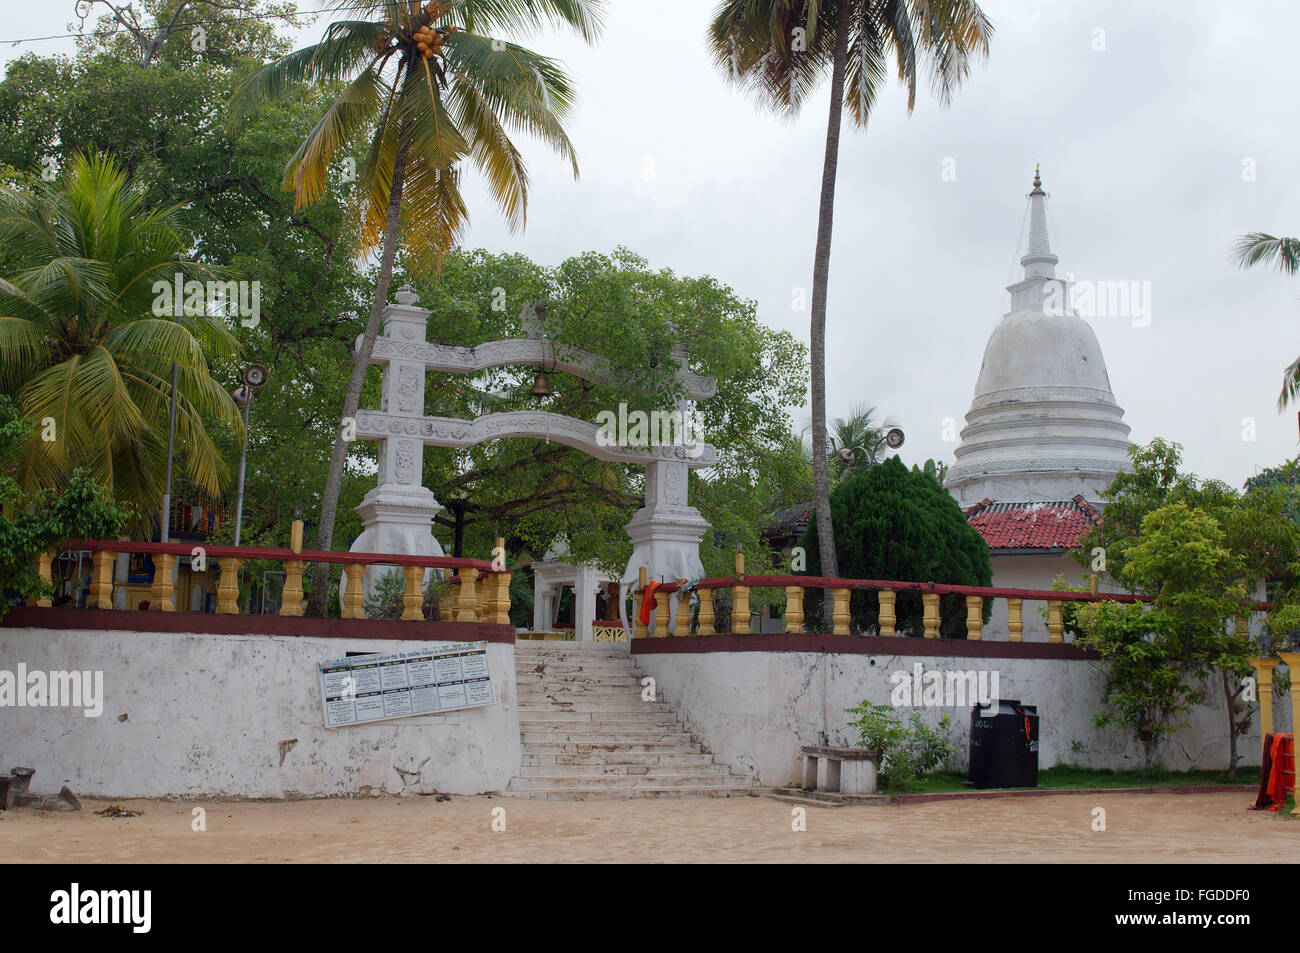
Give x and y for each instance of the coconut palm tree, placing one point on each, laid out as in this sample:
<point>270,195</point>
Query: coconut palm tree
<point>1257,248</point>
<point>429,87</point>
<point>84,349</point>
<point>779,51</point>
<point>860,437</point>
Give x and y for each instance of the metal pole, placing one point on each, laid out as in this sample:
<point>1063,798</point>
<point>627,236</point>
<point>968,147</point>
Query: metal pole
<point>171,442</point>
<point>243,457</point>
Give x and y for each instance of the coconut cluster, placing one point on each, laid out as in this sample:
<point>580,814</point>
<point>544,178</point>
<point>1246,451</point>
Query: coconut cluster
<point>427,38</point>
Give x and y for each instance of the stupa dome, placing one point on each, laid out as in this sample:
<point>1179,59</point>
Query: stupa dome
<point>1044,424</point>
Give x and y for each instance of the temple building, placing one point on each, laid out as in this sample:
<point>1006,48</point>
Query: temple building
<point>1044,435</point>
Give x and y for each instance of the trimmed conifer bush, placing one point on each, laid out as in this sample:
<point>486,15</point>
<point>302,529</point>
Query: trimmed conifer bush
<point>898,524</point>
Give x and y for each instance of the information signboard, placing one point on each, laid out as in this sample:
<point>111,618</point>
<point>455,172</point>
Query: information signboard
<point>422,681</point>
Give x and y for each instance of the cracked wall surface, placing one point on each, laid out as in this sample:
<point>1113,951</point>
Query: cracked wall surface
<point>241,716</point>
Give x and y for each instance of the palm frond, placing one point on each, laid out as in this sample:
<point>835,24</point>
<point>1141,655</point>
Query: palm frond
<point>1258,248</point>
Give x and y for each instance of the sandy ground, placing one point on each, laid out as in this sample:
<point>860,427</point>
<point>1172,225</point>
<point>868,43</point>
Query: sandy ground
<point>1139,827</point>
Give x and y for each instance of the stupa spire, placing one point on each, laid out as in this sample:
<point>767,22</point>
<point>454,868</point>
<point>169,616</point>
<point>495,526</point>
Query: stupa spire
<point>1038,260</point>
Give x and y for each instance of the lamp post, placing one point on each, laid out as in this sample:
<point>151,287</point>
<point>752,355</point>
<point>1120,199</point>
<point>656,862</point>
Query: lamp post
<point>254,376</point>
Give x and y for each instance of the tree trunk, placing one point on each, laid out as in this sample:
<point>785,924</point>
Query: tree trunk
<point>1228,696</point>
<point>361,363</point>
<point>817,335</point>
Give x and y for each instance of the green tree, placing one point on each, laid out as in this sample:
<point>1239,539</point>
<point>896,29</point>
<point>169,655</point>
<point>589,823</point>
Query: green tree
<point>82,349</point>
<point>533,492</point>
<point>1204,552</point>
<point>892,523</point>
<point>428,93</point>
<point>1258,248</point>
<point>34,523</point>
<point>779,51</point>
<point>1147,685</point>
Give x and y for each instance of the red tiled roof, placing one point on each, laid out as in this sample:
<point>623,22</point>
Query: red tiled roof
<point>1049,525</point>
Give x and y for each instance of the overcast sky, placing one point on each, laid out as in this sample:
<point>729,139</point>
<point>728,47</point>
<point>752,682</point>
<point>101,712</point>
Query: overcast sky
<point>1142,144</point>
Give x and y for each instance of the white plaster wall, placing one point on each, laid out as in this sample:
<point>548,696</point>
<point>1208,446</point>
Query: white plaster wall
<point>206,715</point>
<point>755,709</point>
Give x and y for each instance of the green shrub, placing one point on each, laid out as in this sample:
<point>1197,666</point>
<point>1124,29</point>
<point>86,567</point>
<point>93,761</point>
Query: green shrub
<point>903,753</point>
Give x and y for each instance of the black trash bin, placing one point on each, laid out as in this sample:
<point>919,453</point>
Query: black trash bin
<point>1004,745</point>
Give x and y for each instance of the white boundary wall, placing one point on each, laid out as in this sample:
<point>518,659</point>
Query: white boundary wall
<point>755,709</point>
<point>188,714</point>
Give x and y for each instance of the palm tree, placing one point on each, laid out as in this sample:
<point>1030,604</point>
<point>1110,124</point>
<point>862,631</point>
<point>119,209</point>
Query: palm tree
<point>860,436</point>
<point>83,350</point>
<point>1257,248</point>
<point>429,88</point>
<point>779,51</point>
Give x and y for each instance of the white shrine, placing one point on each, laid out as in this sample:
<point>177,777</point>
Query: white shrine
<point>397,515</point>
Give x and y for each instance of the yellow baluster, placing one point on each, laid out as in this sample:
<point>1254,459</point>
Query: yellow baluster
<point>682,618</point>
<point>930,614</point>
<point>163,592</point>
<point>1015,620</point>
<point>661,615</point>
<point>101,584</point>
<point>841,615</point>
<point>500,607</point>
<point>706,613</point>
<point>1055,624</point>
<point>974,618</point>
<point>794,609</point>
<point>740,599</point>
<point>465,611</point>
<point>291,597</point>
<point>887,618</point>
<point>228,585</point>
<point>413,595</point>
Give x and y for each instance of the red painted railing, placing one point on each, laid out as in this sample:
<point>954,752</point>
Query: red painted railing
<point>484,590</point>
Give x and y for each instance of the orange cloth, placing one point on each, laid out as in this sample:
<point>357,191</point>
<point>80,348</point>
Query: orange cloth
<point>648,602</point>
<point>1277,774</point>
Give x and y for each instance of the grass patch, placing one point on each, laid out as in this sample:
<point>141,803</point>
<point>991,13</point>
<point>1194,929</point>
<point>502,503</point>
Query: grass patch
<point>1069,777</point>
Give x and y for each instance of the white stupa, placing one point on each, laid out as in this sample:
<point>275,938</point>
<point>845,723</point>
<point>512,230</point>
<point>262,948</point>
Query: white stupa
<point>1044,425</point>
<point>1043,437</point>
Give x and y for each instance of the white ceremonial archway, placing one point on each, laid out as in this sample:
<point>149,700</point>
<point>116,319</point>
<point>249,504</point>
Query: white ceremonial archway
<point>397,515</point>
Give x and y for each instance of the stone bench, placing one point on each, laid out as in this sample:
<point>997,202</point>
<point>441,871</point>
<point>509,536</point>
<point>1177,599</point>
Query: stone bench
<point>849,771</point>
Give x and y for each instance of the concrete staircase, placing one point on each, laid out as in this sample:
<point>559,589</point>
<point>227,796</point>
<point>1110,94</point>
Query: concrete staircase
<point>587,734</point>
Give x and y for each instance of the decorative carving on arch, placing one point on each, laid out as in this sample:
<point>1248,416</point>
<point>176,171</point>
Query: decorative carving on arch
<point>541,425</point>
<point>514,351</point>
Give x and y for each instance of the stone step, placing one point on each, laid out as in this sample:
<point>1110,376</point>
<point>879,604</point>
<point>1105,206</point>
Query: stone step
<point>560,713</point>
<point>622,770</point>
<point>557,696</point>
<point>625,783</point>
<point>569,652</point>
<point>594,759</point>
<point>616,748</point>
<point>581,683</point>
<point>595,691</point>
<point>596,735</point>
<point>576,667</point>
